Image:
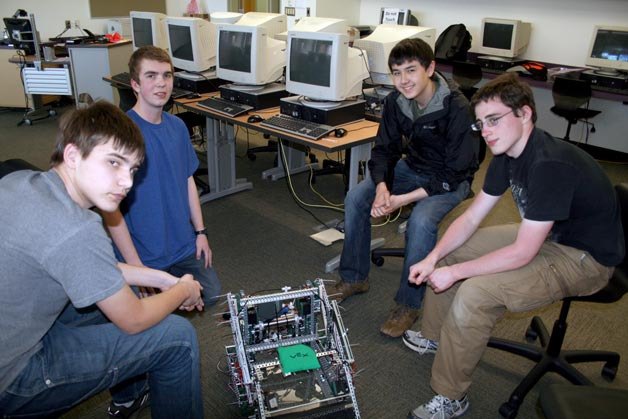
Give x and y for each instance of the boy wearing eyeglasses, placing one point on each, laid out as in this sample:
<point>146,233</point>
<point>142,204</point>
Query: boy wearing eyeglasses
<point>567,243</point>
<point>425,154</point>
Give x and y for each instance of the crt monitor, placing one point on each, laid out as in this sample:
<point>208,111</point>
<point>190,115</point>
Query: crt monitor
<point>504,37</point>
<point>321,24</point>
<point>397,16</point>
<point>322,67</point>
<point>379,44</point>
<point>148,28</point>
<point>191,43</point>
<point>608,49</point>
<point>20,34</point>
<point>276,23</point>
<point>247,55</point>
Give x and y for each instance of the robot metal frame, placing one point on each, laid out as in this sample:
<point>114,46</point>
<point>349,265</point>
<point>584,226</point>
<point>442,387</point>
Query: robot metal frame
<point>291,357</point>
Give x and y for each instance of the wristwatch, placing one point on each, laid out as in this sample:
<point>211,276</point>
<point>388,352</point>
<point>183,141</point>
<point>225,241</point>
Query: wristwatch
<point>201,231</point>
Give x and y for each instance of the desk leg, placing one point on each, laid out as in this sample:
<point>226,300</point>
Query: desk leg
<point>295,160</point>
<point>221,162</point>
<point>358,154</point>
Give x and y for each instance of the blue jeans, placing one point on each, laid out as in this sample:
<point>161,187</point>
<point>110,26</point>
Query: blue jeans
<point>206,276</point>
<point>421,233</point>
<point>83,354</point>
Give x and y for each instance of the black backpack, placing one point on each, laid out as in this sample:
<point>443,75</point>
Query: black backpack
<point>453,43</point>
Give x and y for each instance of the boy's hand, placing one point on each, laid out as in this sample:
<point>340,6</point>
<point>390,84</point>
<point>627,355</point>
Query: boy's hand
<point>194,288</point>
<point>202,249</point>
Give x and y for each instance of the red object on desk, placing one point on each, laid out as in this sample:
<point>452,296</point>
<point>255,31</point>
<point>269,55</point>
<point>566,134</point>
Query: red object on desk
<point>113,37</point>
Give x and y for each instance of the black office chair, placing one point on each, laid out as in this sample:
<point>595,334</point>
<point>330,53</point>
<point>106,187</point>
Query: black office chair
<point>550,356</point>
<point>569,96</point>
<point>127,97</point>
<point>467,75</point>
<point>566,401</point>
<point>378,254</point>
<point>13,165</point>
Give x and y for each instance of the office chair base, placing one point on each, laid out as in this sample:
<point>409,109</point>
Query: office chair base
<point>37,115</point>
<point>549,357</point>
<point>378,255</point>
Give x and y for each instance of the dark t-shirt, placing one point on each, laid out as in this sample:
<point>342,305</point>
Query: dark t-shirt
<point>553,180</point>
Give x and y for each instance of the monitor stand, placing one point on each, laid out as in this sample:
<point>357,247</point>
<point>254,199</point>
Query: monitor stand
<point>203,75</point>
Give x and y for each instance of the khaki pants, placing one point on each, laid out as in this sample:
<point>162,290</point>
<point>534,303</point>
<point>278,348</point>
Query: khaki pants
<point>463,317</point>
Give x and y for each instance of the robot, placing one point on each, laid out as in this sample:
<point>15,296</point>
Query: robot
<point>291,357</point>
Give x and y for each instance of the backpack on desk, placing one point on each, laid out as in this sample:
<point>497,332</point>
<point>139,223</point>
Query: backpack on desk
<point>453,43</point>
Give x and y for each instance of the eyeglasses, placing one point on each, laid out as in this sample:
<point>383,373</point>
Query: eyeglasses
<point>489,122</point>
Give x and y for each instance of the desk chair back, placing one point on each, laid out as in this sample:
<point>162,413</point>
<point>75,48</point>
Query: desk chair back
<point>570,94</point>
<point>467,75</point>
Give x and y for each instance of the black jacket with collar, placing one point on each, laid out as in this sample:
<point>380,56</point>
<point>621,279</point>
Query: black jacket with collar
<point>440,144</point>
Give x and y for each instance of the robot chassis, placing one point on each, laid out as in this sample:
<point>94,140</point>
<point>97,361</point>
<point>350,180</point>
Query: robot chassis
<point>313,378</point>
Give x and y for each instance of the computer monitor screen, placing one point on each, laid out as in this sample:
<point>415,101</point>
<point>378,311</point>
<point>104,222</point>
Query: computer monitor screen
<point>609,49</point>
<point>248,55</point>
<point>192,43</point>
<point>142,33</point>
<point>504,37</point>
<point>148,28</point>
<point>21,34</point>
<point>321,66</point>
<point>383,39</point>
<point>311,64</point>
<point>234,50</point>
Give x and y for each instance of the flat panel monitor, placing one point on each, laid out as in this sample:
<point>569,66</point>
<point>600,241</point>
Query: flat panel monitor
<point>20,33</point>
<point>609,50</point>
<point>504,37</point>
<point>247,55</point>
<point>383,39</point>
<point>148,28</point>
<point>191,43</point>
<point>322,67</point>
<point>397,16</point>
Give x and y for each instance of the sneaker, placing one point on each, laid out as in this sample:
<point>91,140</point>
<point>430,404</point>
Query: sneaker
<point>342,290</point>
<point>440,407</point>
<point>116,411</point>
<point>418,343</point>
<point>401,318</point>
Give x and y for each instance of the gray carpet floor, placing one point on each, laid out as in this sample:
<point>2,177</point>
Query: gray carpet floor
<point>260,242</point>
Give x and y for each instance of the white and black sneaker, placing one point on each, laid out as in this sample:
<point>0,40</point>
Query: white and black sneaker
<point>121,411</point>
<point>418,343</point>
<point>440,407</point>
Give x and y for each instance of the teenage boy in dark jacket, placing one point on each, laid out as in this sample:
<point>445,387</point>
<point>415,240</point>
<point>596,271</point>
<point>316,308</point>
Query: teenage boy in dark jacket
<point>428,120</point>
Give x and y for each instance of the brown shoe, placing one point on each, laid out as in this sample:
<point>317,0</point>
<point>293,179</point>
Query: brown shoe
<point>401,318</point>
<point>342,290</point>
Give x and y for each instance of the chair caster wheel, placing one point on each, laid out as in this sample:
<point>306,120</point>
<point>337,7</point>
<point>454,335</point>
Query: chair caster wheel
<point>608,372</point>
<point>28,122</point>
<point>251,156</point>
<point>531,335</point>
<point>508,410</point>
<point>52,112</point>
<point>377,260</point>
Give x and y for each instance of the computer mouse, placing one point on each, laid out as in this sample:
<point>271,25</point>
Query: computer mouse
<point>340,132</point>
<point>192,95</point>
<point>254,119</point>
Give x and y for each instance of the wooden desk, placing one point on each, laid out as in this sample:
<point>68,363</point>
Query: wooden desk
<point>221,148</point>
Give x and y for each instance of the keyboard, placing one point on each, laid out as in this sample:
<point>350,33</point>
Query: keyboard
<point>224,107</point>
<point>307,129</point>
<point>125,79</point>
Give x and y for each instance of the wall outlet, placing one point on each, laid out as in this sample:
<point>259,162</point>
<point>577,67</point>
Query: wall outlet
<point>68,24</point>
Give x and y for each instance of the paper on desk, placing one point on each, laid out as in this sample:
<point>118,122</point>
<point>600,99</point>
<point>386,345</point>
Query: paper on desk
<point>327,237</point>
